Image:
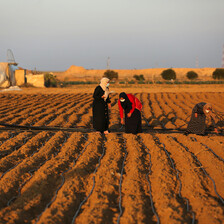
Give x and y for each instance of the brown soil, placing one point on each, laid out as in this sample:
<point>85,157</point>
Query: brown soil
<point>65,177</point>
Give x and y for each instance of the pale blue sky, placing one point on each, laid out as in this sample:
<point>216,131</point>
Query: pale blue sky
<point>135,34</point>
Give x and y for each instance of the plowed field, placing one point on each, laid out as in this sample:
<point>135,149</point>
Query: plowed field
<point>61,176</point>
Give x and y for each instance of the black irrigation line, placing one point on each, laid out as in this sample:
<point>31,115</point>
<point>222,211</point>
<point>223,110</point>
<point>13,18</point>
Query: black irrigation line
<point>31,175</point>
<point>147,122</point>
<point>157,141</point>
<point>163,112</point>
<point>7,153</point>
<point>94,182</point>
<point>190,101</point>
<point>75,111</point>
<point>84,129</point>
<point>63,178</point>
<point>11,136</point>
<point>162,130</point>
<point>195,140</point>
<point>56,192</point>
<point>55,116</point>
<point>147,178</point>
<point>121,180</point>
<point>41,128</point>
<point>173,119</point>
<point>201,167</point>
<point>51,119</point>
<point>153,114</point>
<point>24,142</point>
<point>183,109</point>
<point>220,115</point>
<point>23,184</point>
<point>173,111</point>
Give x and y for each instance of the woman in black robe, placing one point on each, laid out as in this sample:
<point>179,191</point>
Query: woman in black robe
<point>131,106</point>
<point>197,123</point>
<point>100,106</point>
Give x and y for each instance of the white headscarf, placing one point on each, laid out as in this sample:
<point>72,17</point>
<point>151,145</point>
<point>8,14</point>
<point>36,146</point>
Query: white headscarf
<point>103,84</point>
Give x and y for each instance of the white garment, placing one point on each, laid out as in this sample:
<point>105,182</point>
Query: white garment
<point>103,84</point>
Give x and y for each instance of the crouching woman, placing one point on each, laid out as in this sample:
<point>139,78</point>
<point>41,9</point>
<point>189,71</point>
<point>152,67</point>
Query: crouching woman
<point>131,107</point>
<point>197,123</point>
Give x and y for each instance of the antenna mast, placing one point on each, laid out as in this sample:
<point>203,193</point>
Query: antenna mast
<point>223,57</point>
<point>197,62</point>
<point>108,63</point>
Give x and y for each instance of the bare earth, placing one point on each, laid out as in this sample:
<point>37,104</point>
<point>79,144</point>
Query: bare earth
<point>84,177</point>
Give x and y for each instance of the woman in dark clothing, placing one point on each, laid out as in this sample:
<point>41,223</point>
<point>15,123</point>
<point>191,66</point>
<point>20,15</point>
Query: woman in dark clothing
<point>197,124</point>
<point>100,106</point>
<point>131,106</point>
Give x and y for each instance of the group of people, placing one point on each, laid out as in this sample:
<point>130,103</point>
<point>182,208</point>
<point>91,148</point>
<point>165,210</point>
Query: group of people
<point>129,107</point>
<point>130,112</point>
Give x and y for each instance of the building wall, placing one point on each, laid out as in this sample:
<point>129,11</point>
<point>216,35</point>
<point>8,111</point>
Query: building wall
<point>35,80</point>
<point>4,75</point>
<point>20,77</point>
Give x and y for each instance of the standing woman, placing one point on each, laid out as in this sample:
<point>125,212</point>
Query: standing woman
<point>197,123</point>
<point>131,106</point>
<point>100,106</point>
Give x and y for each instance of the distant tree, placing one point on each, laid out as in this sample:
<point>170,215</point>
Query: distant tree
<point>139,77</point>
<point>110,74</point>
<point>168,74</point>
<point>50,80</point>
<point>136,77</point>
<point>218,73</point>
<point>192,75</point>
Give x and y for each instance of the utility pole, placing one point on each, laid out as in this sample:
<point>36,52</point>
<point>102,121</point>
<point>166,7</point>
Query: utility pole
<point>223,57</point>
<point>197,62</point>
<point>108,63</point>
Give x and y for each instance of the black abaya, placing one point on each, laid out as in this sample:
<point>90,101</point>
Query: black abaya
<point>197,124</point>
<point>133,124</point>
<point>100,110</point>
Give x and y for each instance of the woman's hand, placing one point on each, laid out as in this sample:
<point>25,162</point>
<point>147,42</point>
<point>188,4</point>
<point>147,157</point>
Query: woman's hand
<point>195,114</point>
<point>103,96</point>
<point>122,120</point>
<point>216,130</point>
<point>129,114</point>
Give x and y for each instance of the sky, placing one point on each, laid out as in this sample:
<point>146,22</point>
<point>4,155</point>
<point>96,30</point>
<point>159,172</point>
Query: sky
<point>52,35</point>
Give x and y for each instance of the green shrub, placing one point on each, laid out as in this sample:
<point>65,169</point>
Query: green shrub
<point>141,82</point>
<point>192,75</point>
<point>168,74</point>
<point>139,77</point>
<point>110,74</point>
<point>50,80</point>
<point>218,73</point>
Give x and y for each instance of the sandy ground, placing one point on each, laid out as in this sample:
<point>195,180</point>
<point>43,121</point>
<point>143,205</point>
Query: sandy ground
<point>130,89</point>
<point>158,176</point>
